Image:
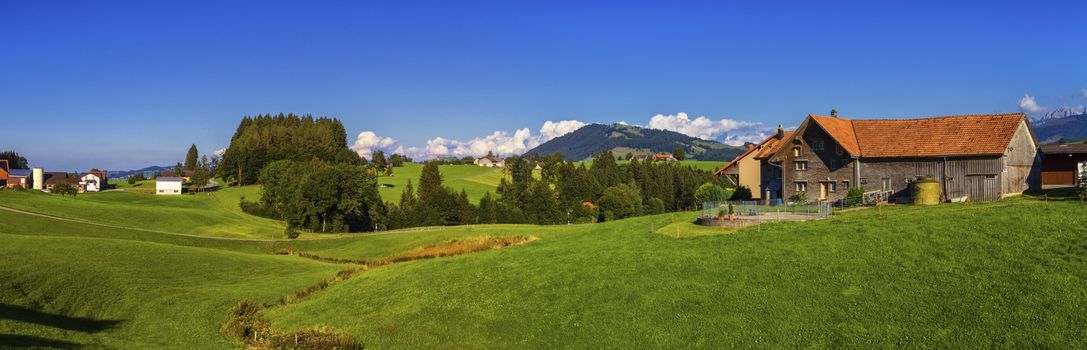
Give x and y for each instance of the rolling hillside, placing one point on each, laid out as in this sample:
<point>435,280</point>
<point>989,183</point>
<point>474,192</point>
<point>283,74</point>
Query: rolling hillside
<point>592,139</point>
<point>947,276</point>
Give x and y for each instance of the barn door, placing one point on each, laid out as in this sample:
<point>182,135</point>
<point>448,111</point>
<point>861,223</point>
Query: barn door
<point>982,187</point>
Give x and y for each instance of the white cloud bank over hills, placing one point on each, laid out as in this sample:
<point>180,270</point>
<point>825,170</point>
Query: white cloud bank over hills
<point>729,131</point>
<point>1029,105</point>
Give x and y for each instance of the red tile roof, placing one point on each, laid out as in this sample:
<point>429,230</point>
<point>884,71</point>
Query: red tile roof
<point>924,137</point>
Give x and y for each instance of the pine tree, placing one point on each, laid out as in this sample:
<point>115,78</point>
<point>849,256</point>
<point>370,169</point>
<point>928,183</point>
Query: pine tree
<point>378,159</point>
<point>191,158</point>
<point>488,213</point>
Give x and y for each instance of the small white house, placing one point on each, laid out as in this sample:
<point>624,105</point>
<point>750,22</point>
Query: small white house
<point>91,182</point>
<point>490,161</point>
<point>168,185</point>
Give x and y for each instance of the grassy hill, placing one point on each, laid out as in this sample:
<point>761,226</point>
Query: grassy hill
<point>476,180</point>
<point>212,213</point>
<point>592,139</point>
<point>1003,274</point>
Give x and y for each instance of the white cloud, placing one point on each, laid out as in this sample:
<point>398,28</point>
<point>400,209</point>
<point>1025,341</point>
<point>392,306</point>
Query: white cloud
<point>500,142</point>
<point>1029,105</point>
<point>729,131</point>
<point>368,141</point>
<point>551,130</point>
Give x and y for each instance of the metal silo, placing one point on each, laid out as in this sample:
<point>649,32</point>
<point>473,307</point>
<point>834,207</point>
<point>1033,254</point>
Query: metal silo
<point>39,178</point>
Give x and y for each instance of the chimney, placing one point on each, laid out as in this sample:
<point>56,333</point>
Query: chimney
<point>781,132</point>
<point>834,112</point>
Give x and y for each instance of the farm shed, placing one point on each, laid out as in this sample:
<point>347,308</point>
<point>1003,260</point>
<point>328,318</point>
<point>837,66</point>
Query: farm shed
<point>168,185</point>
<point>974,157</point>
<point>1063,164</point>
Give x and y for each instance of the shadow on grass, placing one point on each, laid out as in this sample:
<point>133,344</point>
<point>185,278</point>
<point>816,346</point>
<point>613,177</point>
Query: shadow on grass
<point>80,324</point>
<point>29,341</point>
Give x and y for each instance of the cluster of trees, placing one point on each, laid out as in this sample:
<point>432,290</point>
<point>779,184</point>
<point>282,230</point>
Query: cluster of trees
<point>563,192</point>
<point>383,165</point>
<point>318,196</point>
<point>15,161</point>
<point>264,139</point>
<point>201,168</point>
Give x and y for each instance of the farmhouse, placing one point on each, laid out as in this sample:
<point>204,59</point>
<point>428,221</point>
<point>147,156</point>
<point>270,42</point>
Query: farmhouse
<point>168,185</point>
<point>490,161</point>
<point>664,157</point>
<point>973,157</point>
<point>19,178</point>
<point>748,168</point>
<point>51,179</point>
<point>1063,165</point>
<point>184,175</point>
<point>93,181</point>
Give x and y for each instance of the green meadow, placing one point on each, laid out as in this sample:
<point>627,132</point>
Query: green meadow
<point>473,179</point>
<point>1008,274</point>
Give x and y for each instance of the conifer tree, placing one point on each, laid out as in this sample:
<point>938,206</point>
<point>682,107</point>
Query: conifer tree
<point>191,158</point>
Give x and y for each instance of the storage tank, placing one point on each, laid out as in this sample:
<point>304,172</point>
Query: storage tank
<point>39,178</point>
<point>926,191</point>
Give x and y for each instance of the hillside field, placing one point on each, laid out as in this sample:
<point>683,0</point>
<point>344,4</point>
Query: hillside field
<point>1008,274</point>
<point>475,180</point>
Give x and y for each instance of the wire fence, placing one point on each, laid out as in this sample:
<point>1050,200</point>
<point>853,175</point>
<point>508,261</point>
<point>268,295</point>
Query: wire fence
<point>751,208</point>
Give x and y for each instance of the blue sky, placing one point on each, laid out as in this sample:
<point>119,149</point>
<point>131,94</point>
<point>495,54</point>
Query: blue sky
<point>125,85</point>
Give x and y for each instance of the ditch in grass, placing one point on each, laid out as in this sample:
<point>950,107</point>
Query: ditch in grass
<point>247,324</point>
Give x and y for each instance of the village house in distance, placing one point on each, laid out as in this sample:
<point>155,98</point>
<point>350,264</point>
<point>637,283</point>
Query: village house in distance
<point>973,157</point>
<point>490,161</point>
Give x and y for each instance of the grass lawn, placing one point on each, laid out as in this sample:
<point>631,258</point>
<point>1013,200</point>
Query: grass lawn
<point>1009,274</point>
<point>476,180</point>
<point>1005,274</point>
<point>697,164</point>
<point>212,213</point>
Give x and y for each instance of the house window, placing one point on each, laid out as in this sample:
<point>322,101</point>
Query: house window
<point>801,165</point>
<point>817,144</point>
<point>838,149</point>
<point>802,187</point>
<point>846,183</point>
<point>796,151</point>
<point>864,181</point>
<point>886,184</point>
<point>832,187</point>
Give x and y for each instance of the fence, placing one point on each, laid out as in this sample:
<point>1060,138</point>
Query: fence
<point>752,208</point>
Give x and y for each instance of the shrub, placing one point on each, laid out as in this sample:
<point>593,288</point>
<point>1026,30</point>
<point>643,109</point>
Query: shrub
<point>854,197</point>
<point>620,202</point>
<point>256,209</point>
<point>292,232</point>
<point>64,188</point>
<point>709,192</point>
<point>800,197</point>
<point>742,194</point>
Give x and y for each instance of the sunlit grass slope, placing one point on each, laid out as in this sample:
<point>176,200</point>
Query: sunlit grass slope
<point>475,180</point>
<point>211,213</point>
<point>124,294</point>
<point>1005,274</point>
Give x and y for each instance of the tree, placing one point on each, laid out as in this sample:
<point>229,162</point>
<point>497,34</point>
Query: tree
<point>133,179</point>
<point>430,182</point>
<point>679,153</point>
<point>64,188</point>
<point>709,192</point>
<point>15,161</point>
<point>488,209</point>
<point>543,205</point>
<point>191,159</point>
<point>620,202</point>
<point>201,175</point>
<point>178,170</point>
<point>654,206</point>
<point>378,159</point>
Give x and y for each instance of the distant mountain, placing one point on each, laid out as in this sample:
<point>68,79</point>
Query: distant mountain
<point>120,174</point>
<point>1063,112</point>
<point>1070,127</point>
<point>592,139</point>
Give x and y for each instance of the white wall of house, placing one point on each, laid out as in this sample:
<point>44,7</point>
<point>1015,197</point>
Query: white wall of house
<point>91,183</point>
<point>168,187</point>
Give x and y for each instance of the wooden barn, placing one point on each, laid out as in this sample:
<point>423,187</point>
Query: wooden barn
<point>1063,165</point>
<point>974,157</point>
